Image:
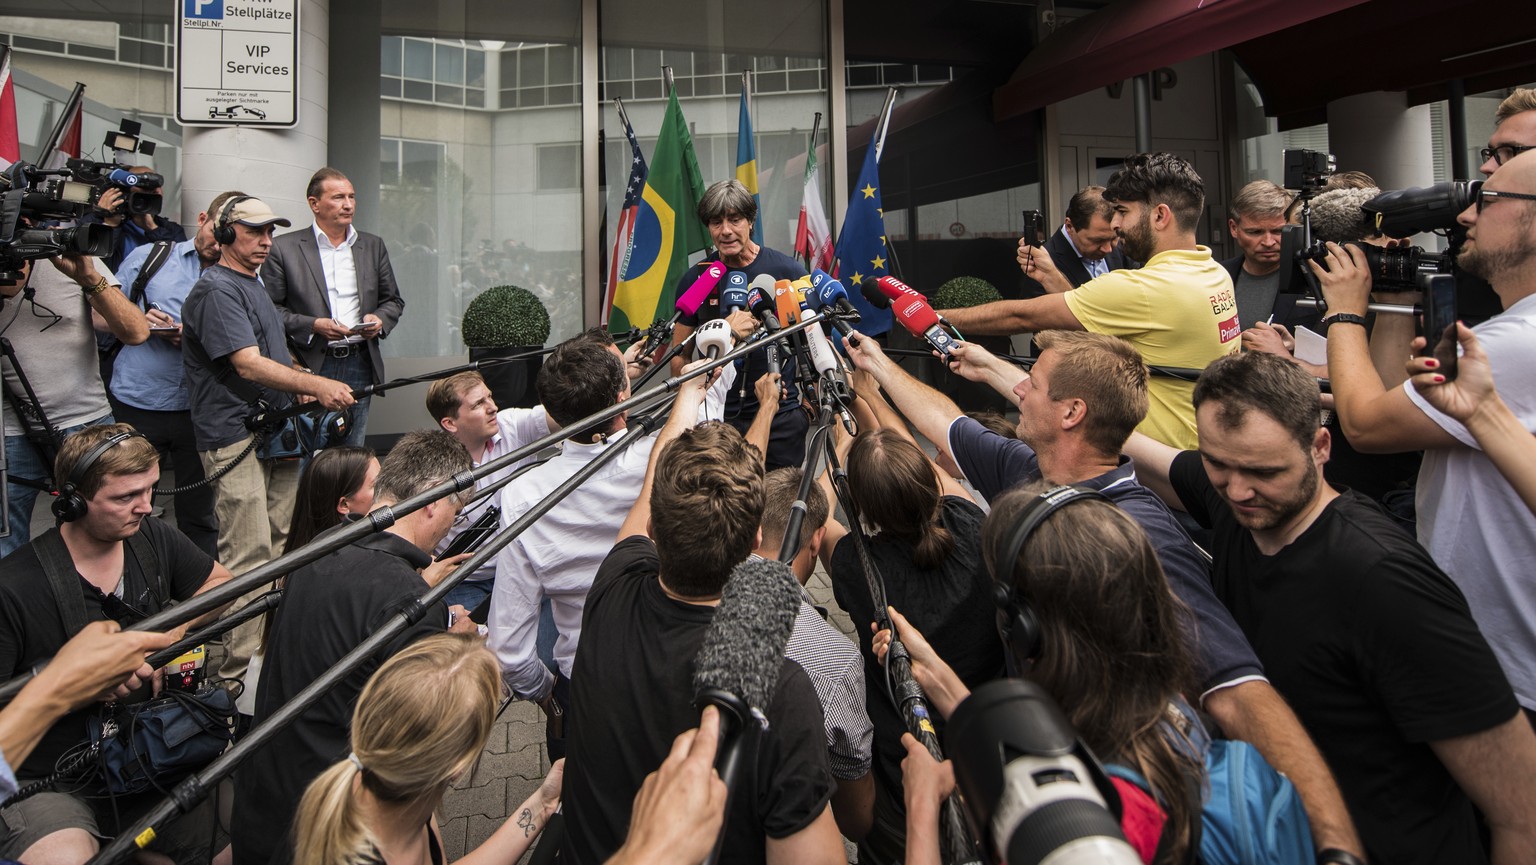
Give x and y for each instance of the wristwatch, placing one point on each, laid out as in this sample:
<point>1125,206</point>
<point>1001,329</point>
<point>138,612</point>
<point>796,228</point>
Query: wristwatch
<point>1335,856</point>
<point>1343,318</point>
<point>96,287</point>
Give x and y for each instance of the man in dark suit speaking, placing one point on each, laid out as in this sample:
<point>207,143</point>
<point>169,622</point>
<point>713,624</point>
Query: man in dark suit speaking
<point>336,292</point>
<point>1085,246</point>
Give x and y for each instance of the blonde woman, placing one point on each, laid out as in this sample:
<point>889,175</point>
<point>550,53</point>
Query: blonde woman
<point>420,724</point>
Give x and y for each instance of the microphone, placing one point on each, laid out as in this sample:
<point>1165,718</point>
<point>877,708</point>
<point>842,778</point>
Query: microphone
<point>921,321</point>
<point>712,339</point>
<point>874,295</point>
<point>737,668</point>
<point>694,297</point>
<point>758,301</point>
<point>787,299</point>
<point>895,289</point>
<point>734,297</point>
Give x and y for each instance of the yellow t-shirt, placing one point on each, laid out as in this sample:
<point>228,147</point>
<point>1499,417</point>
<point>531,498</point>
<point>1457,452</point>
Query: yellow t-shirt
<point>1178,310</point>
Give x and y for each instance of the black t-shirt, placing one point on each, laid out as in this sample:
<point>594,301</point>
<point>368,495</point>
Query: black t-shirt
<point>1375,649</point>
<point>32,631</point>
<point>952,606</point>
<point>328,608</point>
<point>741,402</point>
<point>632,694</point>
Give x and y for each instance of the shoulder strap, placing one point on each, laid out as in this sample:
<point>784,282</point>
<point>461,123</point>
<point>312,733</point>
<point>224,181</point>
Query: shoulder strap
<point>152,265</point>
<point>62,578</point>
<point>149,565</point>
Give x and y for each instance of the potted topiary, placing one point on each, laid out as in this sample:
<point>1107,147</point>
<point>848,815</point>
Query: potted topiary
<point>503,321</point>
<point>960,293</point>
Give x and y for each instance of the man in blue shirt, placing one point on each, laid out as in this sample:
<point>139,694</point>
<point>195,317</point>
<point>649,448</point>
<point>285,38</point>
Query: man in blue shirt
<point>148,391</point>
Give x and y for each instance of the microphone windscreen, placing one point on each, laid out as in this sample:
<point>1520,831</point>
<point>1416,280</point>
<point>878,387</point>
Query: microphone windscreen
<point>894,288</point>
<point>1337,215</point>
<point>764,283</point>
<point>694,297</point>
<point>743,649</point>
<point>874,295</point>
<point>915,315</point>
<point>828,290</point>
<point>761,302</point>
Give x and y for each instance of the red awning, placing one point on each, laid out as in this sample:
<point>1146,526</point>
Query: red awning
<point>1130,37</point>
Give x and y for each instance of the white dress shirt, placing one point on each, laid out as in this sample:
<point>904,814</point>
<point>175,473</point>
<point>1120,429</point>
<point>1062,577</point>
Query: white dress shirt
<point>340,277</point>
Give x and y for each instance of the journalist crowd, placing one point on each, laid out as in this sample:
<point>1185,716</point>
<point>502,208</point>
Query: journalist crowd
<point>1240,583</point>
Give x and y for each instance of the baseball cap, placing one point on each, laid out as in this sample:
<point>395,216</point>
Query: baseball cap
<point>255,213</point>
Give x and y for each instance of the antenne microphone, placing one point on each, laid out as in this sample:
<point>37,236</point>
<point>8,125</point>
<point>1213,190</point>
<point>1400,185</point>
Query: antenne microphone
<point>737,668</point>
<point>712,339</point>
<point>734,297</point>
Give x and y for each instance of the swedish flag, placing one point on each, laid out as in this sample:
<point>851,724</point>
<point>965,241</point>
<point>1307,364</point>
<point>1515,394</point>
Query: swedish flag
<point>746,164</point>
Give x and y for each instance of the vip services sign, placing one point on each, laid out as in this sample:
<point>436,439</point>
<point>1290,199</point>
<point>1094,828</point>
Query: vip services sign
<point>237,63</point>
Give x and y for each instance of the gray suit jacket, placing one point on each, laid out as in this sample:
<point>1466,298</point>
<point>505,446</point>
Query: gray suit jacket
<point>296,281</point>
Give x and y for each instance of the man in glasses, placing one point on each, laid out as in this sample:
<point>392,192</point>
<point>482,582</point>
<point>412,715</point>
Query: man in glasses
<point>1469,518</point>
<point>1514,130</point>
<point>108,559</point>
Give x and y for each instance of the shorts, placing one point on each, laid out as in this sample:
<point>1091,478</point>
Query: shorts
<point>190,839</point>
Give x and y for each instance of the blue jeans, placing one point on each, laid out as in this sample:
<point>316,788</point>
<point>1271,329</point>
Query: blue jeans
<point>23,461</point>
<point>354,371</point>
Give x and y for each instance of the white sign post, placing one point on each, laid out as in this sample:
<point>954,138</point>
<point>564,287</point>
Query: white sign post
<point>237,63</point>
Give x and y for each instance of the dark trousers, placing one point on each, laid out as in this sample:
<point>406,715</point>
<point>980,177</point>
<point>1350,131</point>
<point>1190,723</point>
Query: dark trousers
<point>355,371</point>
<point>171,434</point>
<point>555,726</point>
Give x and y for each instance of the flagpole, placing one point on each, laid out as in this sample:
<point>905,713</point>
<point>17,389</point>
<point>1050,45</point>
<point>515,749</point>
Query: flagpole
<point>51,143</point>
<point>878,142</point>
<point>618,104</point>
<point>815,129</point>
<point>666,81</point>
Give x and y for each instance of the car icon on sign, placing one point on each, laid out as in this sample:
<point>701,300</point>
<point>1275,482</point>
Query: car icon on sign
<point>235,110</point>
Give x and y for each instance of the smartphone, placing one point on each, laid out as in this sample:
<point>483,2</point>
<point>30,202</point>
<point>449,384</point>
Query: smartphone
<point>1439,306</point>
<point>364,327</point>
<point>1034,228</point>
<point>158,328</point>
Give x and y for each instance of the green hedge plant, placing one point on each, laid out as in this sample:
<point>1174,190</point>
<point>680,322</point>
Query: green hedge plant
<point>965,291</point>
<point>505,315</point>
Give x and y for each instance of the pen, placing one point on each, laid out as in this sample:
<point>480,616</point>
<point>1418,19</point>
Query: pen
<point>1271,320</point>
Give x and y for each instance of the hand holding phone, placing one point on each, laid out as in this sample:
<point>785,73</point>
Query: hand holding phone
<point>365,327</point>
<point>1439,306</point>
<point>1034,228</point>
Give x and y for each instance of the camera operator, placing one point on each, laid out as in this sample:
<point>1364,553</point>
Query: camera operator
<point>108,559</point>
<point>47,320</point>
<point>130,231</point>
<point>1469,517</point>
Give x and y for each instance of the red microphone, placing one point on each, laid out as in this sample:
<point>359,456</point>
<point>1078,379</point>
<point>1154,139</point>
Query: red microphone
<point>895,289</point>
<point>920,320</point>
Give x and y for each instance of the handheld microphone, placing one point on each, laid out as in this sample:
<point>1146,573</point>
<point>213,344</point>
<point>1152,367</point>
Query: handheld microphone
<point>690,301</point>
<point>828,292</point>
<point>874,295</point>
<point>921,321</point>
<point>787,301</point>
<point>712,339</point>
<point>895,289</point>
<point>762,307</point>
<point>737,668</point>
<point>734,297</point>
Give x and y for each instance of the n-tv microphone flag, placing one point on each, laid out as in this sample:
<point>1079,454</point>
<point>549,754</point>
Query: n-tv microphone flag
<point>861,245</point>
<point>813,233</point>
<point>746,160</point>
<point>10,142</point>
<point>624,235</point>
<point>63,143</point>
<point>667,228</point>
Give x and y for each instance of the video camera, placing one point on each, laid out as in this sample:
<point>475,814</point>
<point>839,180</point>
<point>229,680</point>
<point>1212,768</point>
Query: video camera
<point>30,195</point>
<point>1399,213</point>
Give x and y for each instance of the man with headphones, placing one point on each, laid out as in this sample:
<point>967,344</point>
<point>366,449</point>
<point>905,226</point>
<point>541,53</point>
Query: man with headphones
<point>233,344</point>
<point>1084,396</point>
<point>108,559</point>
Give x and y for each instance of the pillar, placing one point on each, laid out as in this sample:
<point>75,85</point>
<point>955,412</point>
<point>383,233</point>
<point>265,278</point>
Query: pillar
<point>1378,133</point>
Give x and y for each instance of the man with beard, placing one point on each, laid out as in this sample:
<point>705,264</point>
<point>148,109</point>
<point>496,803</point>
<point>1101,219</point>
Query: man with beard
<point>1369,641</point>
<point>1469,517</point>
<point>1178,310</point>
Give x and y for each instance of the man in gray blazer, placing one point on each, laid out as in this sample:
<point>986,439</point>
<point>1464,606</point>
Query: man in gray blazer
<point>336,292</point>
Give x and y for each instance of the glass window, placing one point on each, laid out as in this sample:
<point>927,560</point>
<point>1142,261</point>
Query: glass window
<point>647,63</point>
<point>474,67</point>
<point>389,55</point>
<point>530,68</point>
<point>450,64</point>
<point>448,95</point>
<point>419,90</point>
<point>618,63</point>
<point>562,64</point>
<point>389,87</point>
<point>559,167</point>
<point>418,59</point>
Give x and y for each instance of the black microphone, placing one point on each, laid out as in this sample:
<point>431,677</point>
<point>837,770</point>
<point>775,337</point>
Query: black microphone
<point>762,305</point>
<point>737,668</point>
<point>874,295</point>
<point>734,297</point>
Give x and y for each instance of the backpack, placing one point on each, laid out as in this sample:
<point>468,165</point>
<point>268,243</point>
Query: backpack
<point>1252,815</point>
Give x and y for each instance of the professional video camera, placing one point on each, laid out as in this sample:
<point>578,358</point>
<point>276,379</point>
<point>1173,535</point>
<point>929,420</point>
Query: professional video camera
<point>30,195</point>
<point>112,175</point>
<point>1032,790</point>
<point>1399,213</point>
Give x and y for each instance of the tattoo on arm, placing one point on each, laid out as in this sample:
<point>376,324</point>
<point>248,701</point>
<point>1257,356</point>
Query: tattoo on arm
<point>526,822</point>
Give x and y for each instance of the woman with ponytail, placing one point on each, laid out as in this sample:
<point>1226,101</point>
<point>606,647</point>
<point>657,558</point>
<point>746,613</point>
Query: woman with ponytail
<point>420,725</point>
<point>925,542</point>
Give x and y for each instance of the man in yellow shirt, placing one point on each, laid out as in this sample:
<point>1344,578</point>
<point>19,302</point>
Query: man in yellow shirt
<point>1179,309</point>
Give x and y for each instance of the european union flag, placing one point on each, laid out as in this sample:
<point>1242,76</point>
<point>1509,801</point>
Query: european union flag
<point>861,245</point>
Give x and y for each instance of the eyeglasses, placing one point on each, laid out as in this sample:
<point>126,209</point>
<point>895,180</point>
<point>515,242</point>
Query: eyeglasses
<point>1484,195</point>
<point>1504,152</point>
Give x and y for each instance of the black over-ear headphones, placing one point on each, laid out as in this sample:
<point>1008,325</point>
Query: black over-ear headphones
<point>1017,624</point>
<point>70,505</point>
<point>223,231</point>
